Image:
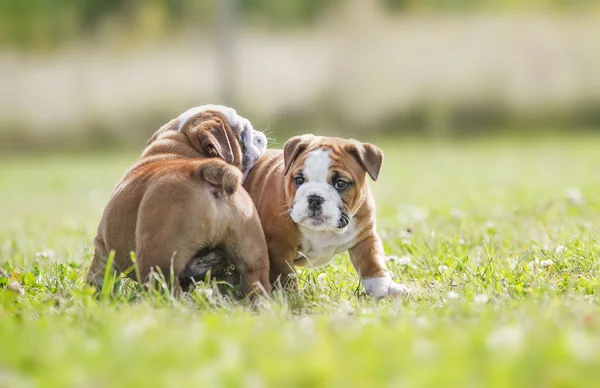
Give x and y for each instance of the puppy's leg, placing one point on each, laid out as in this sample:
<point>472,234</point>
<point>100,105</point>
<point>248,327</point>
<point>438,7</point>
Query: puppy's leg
<point>167,231</point>
<point>282,273</point>
<point>246,247</point>
<point>368,260</point>
<point>97,271</point>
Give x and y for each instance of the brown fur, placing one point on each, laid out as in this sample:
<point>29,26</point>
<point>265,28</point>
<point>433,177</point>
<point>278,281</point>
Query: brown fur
<point>181,196</point>
<point>271,186</point>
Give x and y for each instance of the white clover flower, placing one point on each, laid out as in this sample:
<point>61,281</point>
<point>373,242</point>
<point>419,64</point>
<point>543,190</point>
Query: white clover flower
<point>559,249</point>
<point>405,260</point>
<point>509,338</point>
<point>345,307</point>
<point>580,345</point>
<point>461,241</point>
<point>442,268</point>
<point>489,225</point>
<point>417,214</point>
<point>321,278</point>
<point>423,347</point>
<point>48,254</point>
<point>457,214</point>
<point>546,263</point>
<point>135,328</point>
<point>480,299</point>
<point>574,195</point>
<point>453,295</point>
<point>16,287</point>
<point>421,322</point>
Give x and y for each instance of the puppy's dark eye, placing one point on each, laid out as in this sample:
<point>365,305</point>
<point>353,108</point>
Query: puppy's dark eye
<point>299,180</point>
<point>340,185</point>
<point>212,150</point>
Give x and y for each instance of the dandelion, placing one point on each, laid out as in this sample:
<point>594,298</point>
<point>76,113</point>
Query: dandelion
<point>452,295</point>
<point>480,299</point>
<point>442,268</point>
<point>559,249</point>
<point>489,225</point>
<point>546,263</point>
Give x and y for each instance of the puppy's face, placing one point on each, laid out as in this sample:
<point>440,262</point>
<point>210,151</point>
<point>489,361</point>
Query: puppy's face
<point>218,131</point>
<point>326,178</point>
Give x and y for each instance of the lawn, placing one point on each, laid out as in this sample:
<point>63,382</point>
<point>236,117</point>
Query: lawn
<point>497,240</point>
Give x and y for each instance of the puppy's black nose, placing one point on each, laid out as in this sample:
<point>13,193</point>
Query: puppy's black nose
<point>314,202</point>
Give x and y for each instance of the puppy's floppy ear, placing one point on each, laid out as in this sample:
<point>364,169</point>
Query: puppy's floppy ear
<point>208,134</point>
<point>368,156</point>
<point>216,142</point>
<point>294,147</point>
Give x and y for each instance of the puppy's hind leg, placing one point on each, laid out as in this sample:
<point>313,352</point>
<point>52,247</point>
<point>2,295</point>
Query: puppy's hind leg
<point>98,269</point>
<point>167,236</point>
<point>247,249</point>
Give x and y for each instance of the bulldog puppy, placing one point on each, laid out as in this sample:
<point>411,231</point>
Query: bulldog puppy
<point>184,196</point>
<point>314,201</point>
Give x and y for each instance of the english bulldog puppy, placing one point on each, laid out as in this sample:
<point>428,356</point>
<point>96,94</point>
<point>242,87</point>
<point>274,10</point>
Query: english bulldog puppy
<point>314,201</point>
<point>184,196</point>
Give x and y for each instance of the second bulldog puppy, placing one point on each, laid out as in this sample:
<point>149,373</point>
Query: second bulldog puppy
<point>183,196</point>
<point>314,201</point>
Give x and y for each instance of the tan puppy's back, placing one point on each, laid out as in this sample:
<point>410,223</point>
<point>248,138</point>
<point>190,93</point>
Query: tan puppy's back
<point>183,196</point>
<point>153,193</point>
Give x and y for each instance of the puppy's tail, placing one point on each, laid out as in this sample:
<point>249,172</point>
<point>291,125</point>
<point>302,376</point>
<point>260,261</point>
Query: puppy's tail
<point>224,177</point>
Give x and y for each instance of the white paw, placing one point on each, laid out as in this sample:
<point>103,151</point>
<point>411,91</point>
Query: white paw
<point>383,286</point>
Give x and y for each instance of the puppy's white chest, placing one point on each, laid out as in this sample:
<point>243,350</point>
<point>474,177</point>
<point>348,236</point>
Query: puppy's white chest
<point>319,247</point>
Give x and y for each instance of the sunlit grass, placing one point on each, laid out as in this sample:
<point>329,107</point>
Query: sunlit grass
<point>497,241</point>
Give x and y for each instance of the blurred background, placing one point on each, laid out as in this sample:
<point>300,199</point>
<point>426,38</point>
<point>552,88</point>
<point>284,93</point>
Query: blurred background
<point>105,74</point>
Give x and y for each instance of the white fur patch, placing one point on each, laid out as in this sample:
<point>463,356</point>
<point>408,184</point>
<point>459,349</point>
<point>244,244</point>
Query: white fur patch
<point>319,247</point>
<point>254,142</point>
<point>228,112</point>
<point>315,172</point>
<point>316,166</point>
<point>383,286</point>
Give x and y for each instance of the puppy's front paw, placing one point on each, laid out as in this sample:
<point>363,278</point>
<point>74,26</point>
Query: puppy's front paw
<point>398,289</point>
<point>384,286</point>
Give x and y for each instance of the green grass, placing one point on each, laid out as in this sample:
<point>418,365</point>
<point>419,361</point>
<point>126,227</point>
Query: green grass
<point>503,268</point>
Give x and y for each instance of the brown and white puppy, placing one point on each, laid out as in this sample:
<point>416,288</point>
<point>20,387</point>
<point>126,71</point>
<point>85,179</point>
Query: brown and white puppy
<point>184,195</point>
<point>314,201</point>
